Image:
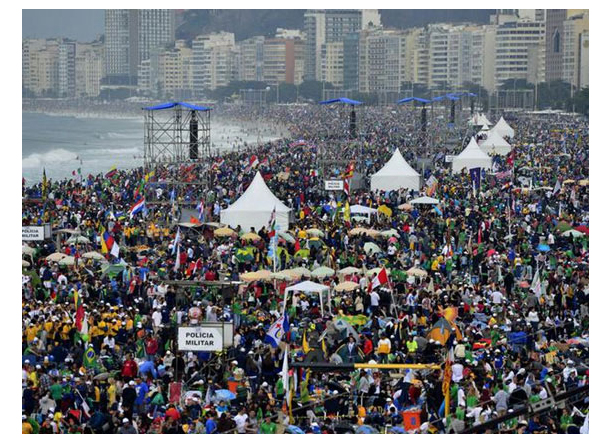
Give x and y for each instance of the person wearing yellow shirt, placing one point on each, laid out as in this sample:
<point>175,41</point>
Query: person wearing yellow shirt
<point>65,332</point>
<point>129,324</point>
<point>412,346</point>
<point>31,332</point>
<point>111,391</point>
<point>26,428</point>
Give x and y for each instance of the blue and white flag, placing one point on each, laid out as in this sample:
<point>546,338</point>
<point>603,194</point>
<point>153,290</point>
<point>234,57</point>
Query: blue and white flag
<point>277,330</point>
<point>177,240</point>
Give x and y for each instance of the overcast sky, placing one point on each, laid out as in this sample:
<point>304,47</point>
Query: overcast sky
<point>79,24</point>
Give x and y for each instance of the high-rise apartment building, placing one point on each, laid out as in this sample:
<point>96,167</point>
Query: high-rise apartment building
<point>66,69</point>
<point>575,49</point>
<point>250,61</point>
<point>350,62</point>
<point>326,26</point>
<point>40,67</point>
<point>131,35</point>
<point>519,44</point>
<point>90,68</point>
<point>381,60</point>
<point>332,63</point>
<point>214,61</point>
<point>283,61</point>
<point>553,43</point>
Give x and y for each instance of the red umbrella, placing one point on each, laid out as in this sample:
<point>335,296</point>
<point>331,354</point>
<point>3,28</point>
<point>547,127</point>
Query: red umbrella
<point>582,229</point>
<point>524,284</point>
<point>491,252</point>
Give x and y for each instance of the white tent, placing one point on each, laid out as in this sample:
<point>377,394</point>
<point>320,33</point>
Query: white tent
<point>484,128</point>
<point>504,128</point>
<point>396,174</point>
<point>495,144</point>
<point>472,156</point>
<point>479,120</point>
<point>254,208</point>
<point>362,209</point>
<point>308,287</point>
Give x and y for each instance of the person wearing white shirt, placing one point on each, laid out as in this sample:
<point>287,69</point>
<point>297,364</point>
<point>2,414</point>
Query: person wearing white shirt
<point>109,342</point>
<point>497,297</point>
<point>156,317</point>
<point>240,421</point>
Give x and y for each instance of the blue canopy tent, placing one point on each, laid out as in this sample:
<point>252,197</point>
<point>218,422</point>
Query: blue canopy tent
<point>414,99</point>
<point>345,100</point>
<point>352,115</point>
<point>169,105</point>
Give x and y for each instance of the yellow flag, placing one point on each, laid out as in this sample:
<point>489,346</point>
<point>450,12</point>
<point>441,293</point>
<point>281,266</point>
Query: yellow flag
<point>324,348</point>
<point>347,215</point>
<point>305,343</point>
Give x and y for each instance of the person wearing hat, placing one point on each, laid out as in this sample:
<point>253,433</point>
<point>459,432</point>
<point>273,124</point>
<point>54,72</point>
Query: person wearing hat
<point>267,426</point>
<point>127,427</point>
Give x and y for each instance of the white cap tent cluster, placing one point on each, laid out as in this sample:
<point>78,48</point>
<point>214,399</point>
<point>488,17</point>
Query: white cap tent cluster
<point>254,208</point>
<point>396,174</point>
<point>495,144</point>
<point>479,120</point>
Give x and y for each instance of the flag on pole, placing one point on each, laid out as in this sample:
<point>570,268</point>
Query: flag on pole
<point>107,240</point>
<point>112,172</point>
<point>475,173</point>
<point>200,209</point>
<point>346,187</point>
<point>272,223</point>
<point>177,240</point>
<point>90,358</point>
<point>137,207</point>
<point>378,280</point>
<point>79,310</point>
<point>177,262</point>
<point>102,232</point>
<point>285,377</point>
<point>347,212</point>
<point>277,330</point>
<point>557,188</point>
<point>305,344</point>
<point>44,184</point>
<point>115,250</point>
<point>536,284</point>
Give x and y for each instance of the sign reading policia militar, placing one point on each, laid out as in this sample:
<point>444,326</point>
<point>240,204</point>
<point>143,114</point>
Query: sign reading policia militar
<point>200,339</point>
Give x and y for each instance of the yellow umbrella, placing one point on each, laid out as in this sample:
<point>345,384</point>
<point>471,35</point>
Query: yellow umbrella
<point>358,230</point>
<point>25,264</point>
<point>346,286</point>
<point>406,207</point>
<point>250,236</point>
<point>263,274</point>
<point>372,233</point>
<point>569,181</point>
<point>385,210</point>
<point>290,273</point>
<point>223,232</point>
<point>583,182</point>
<point>281,276</point>
<point>93,255</point>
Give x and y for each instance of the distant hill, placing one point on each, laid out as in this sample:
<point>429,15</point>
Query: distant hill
<point>245,23</point>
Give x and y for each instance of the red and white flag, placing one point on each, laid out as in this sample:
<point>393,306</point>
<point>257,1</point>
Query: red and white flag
<point>379,280</point>
<point>253,162</point>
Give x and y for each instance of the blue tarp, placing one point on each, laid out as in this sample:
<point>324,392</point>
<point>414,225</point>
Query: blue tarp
<point>169,105</point>
<point>415,99</point>
<point>341,100</point>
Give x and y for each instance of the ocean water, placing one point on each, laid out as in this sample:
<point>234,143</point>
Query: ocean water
<point>61,144</point>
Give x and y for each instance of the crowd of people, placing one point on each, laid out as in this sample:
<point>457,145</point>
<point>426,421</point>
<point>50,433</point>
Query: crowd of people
<point>487,293</point>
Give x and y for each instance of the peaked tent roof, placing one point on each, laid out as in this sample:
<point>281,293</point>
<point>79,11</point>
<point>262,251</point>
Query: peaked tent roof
<point>504,128</point>
<point>397,166</point>
<point>485,128</point>
<point>396,174</point>
<point>258,197</point>
<point>308,286</point>
<point>425,200</point>
<point>496,144</point>
<point>472,156</point>
<point>479,119</point>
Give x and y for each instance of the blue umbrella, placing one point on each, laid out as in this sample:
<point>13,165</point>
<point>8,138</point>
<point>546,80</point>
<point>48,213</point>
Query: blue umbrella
<point>294,430</point>
<point>397,429</point>
<point>543,247</point>
<point>366,429</point>
<point>223,394</point>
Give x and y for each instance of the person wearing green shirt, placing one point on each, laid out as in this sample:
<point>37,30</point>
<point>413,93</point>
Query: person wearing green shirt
<point>56,391</point>
<point>268,426</point>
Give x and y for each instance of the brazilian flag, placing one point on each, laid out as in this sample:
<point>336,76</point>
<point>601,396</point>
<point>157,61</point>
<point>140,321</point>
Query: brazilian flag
<point>90,358</point>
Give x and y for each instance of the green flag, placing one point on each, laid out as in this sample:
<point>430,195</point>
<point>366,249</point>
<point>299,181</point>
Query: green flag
<point>90,358</point>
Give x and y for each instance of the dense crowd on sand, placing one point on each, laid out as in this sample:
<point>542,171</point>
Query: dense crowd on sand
<point>491,286</point>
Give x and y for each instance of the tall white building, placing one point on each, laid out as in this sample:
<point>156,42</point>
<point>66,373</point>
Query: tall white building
<point>381,60</point>
<point>520,51</point>
<point>214,61</point>
<point>250,59</point>
<point>66,65</point>
<point>575,49</point>
<point>332,57</point>
<point>90,68</point>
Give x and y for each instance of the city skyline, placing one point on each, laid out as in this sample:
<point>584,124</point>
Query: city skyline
<point>350,50</point>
